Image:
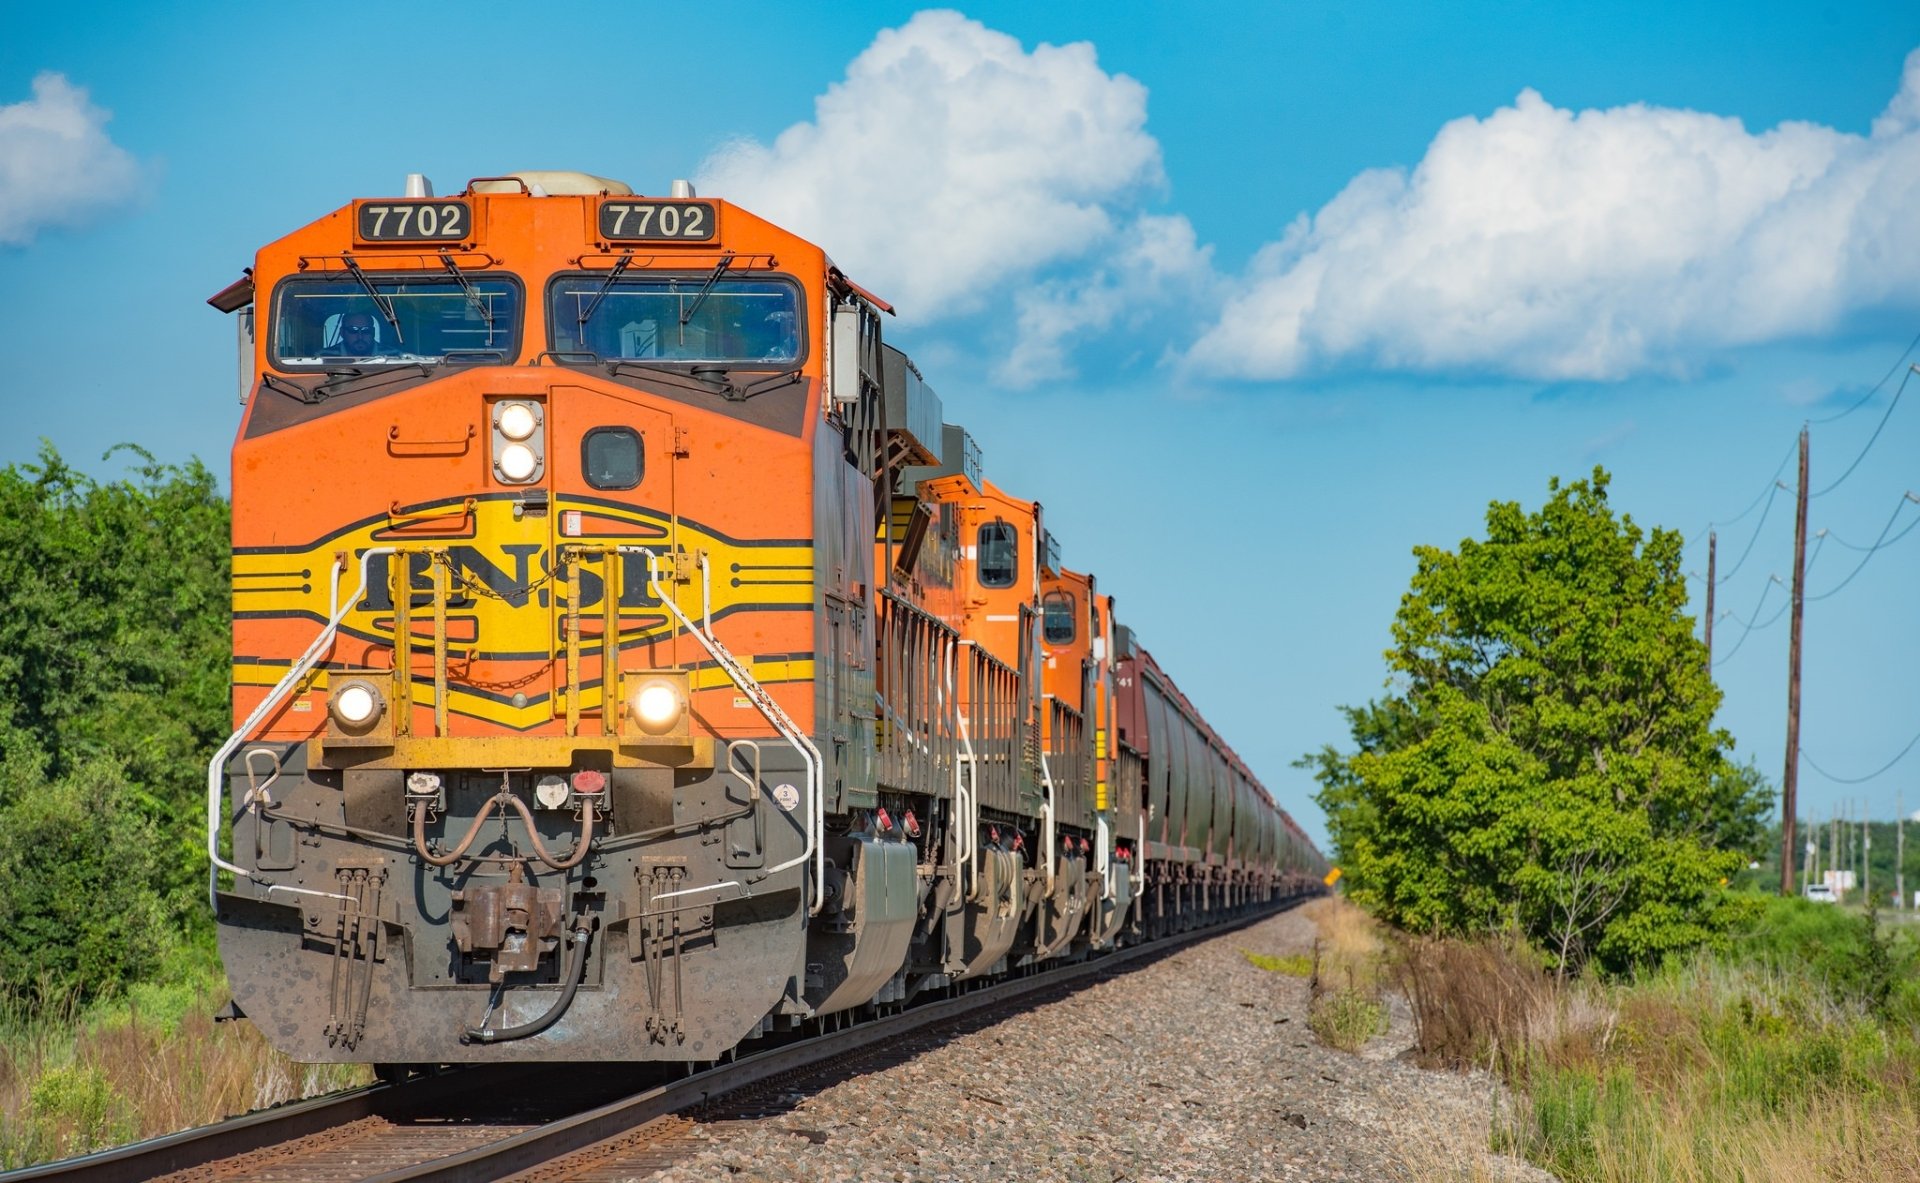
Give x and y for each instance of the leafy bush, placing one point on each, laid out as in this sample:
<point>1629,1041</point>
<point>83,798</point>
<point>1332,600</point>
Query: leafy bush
<point>114,641</point>
<point>1549,763</point>
<point>81,876</point>
<point>77,1101</point>
<point>1855,958</point>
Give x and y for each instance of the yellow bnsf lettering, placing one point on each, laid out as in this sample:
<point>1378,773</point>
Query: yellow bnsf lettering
<point>518,574</point>
<point>512,592</point>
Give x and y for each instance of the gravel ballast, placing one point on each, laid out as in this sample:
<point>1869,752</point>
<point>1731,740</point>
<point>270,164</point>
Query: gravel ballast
<point>1196,1067</point>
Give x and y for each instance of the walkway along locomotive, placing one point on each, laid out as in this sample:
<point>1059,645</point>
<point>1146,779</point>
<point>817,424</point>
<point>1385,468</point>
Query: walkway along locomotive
<point>629,661</point>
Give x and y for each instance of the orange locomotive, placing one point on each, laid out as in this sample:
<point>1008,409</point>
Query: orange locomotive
<point>629,662</point>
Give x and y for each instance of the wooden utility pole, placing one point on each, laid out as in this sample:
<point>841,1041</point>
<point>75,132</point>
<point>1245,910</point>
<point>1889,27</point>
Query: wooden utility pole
<point>1712,541</point>
<point>1790,780</point>
<point>1900,849</point>
<point>1833,844</point>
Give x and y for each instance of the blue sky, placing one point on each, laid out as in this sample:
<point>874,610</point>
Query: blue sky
<point>1254,298</point>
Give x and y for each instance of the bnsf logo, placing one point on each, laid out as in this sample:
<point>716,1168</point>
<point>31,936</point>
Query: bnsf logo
<point>523,573</point>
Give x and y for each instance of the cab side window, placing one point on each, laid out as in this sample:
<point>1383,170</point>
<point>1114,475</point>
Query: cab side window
<point>1057,618</point>
<point>999,554</point>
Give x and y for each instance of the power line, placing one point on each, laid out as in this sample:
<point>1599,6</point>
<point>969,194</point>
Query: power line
<point>1755,624</point>
<point>1860,780</point>
<point>1868,396</point>
<point>1772,491</point>
<point>1764,591</point>
<point>1879,544</point>
<point>1870,439</point>
<point>1819,540</point>
<point>1766,494</point>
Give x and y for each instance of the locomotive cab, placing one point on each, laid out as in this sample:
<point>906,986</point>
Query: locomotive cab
<point>524,656</point>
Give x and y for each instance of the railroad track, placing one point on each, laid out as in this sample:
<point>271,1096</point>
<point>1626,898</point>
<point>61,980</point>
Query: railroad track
<point>553,1122</point>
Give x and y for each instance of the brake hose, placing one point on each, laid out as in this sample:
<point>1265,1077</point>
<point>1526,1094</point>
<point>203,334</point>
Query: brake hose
<point>575,972</point>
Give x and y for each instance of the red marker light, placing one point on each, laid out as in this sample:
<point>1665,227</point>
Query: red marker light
<point>589,781</point>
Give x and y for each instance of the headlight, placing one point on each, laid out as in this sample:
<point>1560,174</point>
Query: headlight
<point>517,421</point>
<point>516,462</point>
<point>356,705</point>
<point>657,706</point>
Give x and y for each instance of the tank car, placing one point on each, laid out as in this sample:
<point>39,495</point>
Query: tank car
<point>630,661</point>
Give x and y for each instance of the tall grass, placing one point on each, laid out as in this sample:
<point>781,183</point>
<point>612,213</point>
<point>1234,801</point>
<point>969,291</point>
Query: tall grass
<point>148,1063</point>
<point>1344,1007</point>
<point>1771,1061</point>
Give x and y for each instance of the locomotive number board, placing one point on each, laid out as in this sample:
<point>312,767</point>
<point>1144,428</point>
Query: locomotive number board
<point>412,221</point>
<point>658,221</point>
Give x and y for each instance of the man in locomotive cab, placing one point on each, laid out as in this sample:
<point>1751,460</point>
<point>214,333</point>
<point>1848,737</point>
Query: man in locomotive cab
<point>357,337</point>
<point>774,338</point>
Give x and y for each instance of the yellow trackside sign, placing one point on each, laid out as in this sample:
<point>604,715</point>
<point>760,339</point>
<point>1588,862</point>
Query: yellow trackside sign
<point>1333,877</point>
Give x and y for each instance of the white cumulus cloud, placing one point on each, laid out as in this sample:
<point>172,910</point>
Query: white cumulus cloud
<point>1151,261</point>
<point>57,166</point>
<point>1553,244</point>
<point>950,160</point>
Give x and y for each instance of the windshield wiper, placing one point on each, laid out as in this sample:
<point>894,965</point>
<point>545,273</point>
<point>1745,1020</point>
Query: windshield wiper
<point>379,301</point>
<point>351,381</point>
<point>473,293</point>
<point>297,393</point>
<point>629,366</point>
<point>740,394</point>
<point>709,378</point>
<point>606,285</point>
<point>719,269</point>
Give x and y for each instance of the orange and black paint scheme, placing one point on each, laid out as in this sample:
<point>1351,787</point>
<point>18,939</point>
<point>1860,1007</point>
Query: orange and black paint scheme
<point>628,662</point>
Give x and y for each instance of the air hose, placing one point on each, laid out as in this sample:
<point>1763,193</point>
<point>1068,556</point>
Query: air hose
<point>576,970</point>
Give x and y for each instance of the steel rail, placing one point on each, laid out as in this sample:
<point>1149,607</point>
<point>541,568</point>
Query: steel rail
<point>205,1146</point>
<point>139,1161</point>
<point>537,1147</point>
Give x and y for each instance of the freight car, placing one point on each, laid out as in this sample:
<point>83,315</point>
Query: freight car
<point>629,660</point>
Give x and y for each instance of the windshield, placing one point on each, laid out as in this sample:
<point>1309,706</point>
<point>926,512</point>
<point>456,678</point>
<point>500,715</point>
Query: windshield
<point>689,318</point>
<point>393,321</point>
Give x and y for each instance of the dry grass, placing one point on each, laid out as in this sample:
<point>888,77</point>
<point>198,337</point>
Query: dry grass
<point>1489,1004</point>
<point>1350,945</point>
<point>1709,1071</point>
<point>1429,1154</point>
<point>1832,1137</point>
<point>70,1084</point>
<point>1344,1007</point>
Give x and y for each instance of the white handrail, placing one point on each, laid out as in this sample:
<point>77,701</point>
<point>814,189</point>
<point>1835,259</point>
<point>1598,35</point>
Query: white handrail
<point>966,790</point>
<point>216,767</point>
<point>1102,856</point>
<point>1047,822</point>
<point>770,710</point>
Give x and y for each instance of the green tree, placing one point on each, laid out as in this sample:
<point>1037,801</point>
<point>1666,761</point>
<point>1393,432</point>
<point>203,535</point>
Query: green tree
<point>1549,762</point>
<point>114,640</point>
<point>81,909</point>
